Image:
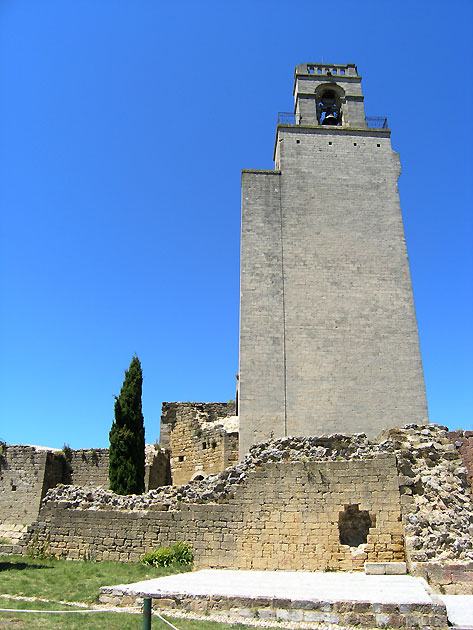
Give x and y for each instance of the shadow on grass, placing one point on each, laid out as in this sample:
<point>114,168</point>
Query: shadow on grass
<point>20,566</point>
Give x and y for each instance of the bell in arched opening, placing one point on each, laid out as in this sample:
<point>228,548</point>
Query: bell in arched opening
<point>328,109</point>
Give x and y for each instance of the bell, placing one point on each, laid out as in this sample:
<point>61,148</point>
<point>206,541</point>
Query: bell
<point>330,119</point>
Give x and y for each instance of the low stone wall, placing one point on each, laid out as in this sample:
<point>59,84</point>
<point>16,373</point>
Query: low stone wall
<point>28,472</point>
<point>284,516</point>
<point>340,614</point>
<point>294,503</point>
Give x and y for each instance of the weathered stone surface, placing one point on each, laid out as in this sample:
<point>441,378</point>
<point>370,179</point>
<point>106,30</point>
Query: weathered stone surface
<point>328,334</point>
<point>437,519</point>
<point>202,438</point>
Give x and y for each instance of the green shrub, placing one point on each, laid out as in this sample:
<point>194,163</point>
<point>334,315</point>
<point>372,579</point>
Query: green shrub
<point>179,553</point>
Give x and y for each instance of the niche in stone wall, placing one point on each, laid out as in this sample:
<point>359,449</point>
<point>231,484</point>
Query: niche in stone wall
<point>354,525</point>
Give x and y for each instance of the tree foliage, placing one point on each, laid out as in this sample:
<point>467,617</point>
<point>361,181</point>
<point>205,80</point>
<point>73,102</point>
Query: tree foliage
<point>127,436</point>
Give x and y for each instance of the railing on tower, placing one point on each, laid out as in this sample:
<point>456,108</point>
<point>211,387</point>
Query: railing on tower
<point>376,122</point>
<point>372,122</point>
<point>286,118</point>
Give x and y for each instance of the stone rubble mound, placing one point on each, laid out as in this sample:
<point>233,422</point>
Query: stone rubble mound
<point>436,498</point>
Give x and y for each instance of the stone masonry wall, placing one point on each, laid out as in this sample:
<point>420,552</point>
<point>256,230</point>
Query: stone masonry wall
<point>26,473</point>
<point>199,438</point>
<point>463,440</point>
<point>88,467</point>
<point>284,516</point>
<point>289,494</point>
<point>285,505</point>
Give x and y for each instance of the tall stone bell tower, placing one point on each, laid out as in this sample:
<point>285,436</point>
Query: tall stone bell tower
<point>328,333</point>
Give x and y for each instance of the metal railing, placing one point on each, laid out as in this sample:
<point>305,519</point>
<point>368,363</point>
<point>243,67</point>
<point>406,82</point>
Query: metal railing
<point>286,118</point>
<point>376,122</point>
<point>372,122</point>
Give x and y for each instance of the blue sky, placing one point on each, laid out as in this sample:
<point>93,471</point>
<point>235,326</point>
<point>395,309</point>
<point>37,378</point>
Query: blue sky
<point>125,125</point>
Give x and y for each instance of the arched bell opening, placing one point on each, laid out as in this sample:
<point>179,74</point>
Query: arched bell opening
<point>329,99</point>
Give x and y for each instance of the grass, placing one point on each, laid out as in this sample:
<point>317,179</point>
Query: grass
<point>62,580</point>
<point>70,581</point>
<point>92,621</point>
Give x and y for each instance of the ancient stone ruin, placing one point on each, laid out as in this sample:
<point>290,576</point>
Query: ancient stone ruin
<point>327,460</point>
<point>311,503</point>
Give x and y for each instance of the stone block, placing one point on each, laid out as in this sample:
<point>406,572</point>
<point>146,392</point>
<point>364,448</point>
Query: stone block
<point>382,620</point>
<point>395,568</point>
<point>375,568</point>
<point>321,617</point>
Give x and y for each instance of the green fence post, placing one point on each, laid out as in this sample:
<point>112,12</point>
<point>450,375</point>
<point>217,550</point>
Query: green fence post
<point>147,613</point>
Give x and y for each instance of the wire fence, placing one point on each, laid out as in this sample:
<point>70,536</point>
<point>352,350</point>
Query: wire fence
<point>146,613</point>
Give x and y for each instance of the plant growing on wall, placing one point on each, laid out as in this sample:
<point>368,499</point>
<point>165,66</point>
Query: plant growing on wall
<point>127,436</point>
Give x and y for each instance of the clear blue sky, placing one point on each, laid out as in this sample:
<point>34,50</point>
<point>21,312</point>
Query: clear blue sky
<point>124,128</point>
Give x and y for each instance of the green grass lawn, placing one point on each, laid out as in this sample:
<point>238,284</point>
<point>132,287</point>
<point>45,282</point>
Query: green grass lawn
<point>62,580</point>
<point>69,581</point>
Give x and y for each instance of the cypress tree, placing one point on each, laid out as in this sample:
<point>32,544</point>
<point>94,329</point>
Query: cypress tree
<point>127,436</point>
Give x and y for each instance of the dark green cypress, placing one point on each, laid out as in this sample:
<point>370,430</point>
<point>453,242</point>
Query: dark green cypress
<point>127,436</point>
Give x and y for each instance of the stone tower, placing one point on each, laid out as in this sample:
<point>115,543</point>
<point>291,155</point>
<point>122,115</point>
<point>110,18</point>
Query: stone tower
<point>328,333</point>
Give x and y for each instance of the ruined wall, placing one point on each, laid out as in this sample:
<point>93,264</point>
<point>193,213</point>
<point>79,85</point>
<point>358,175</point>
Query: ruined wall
<point>202,438</point>
<point>463,440</point>
<point>283,516</point>
<point>26,473</point>
<point>88,467</point>
<point>294,503</point>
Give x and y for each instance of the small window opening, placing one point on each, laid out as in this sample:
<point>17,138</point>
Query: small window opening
<point>204,446</point>
<point>342,72</point>
<point>181,458</point>
<point>330,143</point>
<point>354,144</point>
<point>354,525</point>
<point>13,487</point>
<point>378,145</point>
<point>319,70</point>
<point>214,444</point>
<point>298,141</point>
<point>310,69</point>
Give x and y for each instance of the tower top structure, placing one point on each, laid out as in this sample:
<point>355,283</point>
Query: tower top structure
<point>328,95</point>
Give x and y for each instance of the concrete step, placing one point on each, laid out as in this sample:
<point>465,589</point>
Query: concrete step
<point>342,599</point>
